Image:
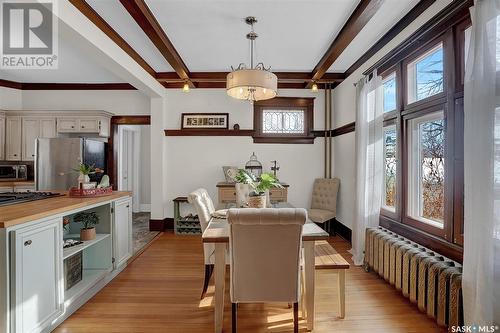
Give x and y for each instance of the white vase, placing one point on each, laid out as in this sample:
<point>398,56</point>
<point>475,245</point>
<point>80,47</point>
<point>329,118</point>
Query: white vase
<point>83,179</point>
<point>242,194</point>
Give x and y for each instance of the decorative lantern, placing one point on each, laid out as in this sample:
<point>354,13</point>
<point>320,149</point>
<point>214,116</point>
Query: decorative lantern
<point>253,166</point>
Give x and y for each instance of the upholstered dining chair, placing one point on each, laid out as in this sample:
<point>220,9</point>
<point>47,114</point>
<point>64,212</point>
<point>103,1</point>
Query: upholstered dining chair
<point>204,208</point>
<point>324,201</point>
<point>265,251</point>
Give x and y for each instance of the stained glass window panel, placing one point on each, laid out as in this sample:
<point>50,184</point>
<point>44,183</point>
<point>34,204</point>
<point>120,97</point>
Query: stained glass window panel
<point>283,121</point>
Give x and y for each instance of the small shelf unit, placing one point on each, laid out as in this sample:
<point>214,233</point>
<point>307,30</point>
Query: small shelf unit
<point>184,225</point>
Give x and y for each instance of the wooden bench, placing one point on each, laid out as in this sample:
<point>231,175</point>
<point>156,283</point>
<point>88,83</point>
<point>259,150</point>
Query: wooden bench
<point>326,257</point>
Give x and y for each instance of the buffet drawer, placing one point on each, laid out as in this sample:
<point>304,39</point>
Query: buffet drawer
<point>227,194</point>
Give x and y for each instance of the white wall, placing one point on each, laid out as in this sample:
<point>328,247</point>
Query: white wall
<point>10,99</point>
<point>344,110</point>
<point>118,102</point>
<point>194,162</point>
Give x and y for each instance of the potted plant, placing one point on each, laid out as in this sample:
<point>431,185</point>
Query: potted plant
<point>89,220</point>
<point>84,172</point>
<point>259,186</point>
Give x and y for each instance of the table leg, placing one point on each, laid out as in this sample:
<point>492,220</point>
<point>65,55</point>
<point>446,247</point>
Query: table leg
<point>309,275</point>
<point>220,280</point>
<point>342,292</point>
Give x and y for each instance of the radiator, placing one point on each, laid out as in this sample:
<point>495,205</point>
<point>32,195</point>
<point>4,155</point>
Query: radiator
<point>427,279</point>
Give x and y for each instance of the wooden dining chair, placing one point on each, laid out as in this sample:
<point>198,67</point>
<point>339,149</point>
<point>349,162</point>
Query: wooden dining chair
<point>204,206</point>
<point>265,247</point>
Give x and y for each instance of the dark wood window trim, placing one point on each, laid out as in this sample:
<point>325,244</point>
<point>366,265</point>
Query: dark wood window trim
<point>285,103</point>
<point>447,241</point>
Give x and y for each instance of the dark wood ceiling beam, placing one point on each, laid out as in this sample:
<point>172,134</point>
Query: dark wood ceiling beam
<point>415,12</point>
<point>358,19</point>
<point>289,77</point>
<point>141,13</point>
<point>93,16</point>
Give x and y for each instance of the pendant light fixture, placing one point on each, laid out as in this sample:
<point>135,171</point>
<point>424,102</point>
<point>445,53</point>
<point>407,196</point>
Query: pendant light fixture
<point>254,83</point>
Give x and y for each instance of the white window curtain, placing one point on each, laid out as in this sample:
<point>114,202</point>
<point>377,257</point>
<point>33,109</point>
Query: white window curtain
<point>481,275</point>
<point>369,162</point>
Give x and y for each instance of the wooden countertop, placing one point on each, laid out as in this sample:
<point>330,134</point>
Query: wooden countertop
<point>16,183</point>
<point>12,215</point>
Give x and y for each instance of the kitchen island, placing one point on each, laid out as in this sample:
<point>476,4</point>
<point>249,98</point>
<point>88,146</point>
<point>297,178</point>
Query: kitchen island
<point>41,284</point>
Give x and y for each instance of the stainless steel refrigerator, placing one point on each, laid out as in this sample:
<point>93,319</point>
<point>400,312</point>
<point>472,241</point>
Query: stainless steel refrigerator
<point>56,158</point>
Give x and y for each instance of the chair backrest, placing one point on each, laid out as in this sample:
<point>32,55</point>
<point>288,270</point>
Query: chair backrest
<point>325,194</point>
<point>265,246</point>
<point>203,205</point>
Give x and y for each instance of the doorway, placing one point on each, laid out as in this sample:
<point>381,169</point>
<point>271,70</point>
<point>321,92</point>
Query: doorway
<point>129,160</point>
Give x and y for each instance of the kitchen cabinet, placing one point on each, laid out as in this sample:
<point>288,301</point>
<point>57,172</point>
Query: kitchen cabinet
<point>98,125</point>
<point>67,125</point>
<point>122,226</point>
<point>32,129</point>
<point>13,133</point>
<point>36,291</point>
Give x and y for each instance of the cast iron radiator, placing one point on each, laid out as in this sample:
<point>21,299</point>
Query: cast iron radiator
<point>429,280</point>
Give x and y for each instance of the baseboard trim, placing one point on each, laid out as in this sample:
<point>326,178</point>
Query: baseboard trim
<point>161,224</point>
<point>342,230</point>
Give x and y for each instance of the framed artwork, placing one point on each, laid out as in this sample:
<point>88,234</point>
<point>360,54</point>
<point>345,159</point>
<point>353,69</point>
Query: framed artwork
<point>205,121</point>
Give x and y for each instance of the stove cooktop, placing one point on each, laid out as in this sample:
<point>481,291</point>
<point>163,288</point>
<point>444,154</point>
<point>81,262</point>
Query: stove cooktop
<point>10,198</point>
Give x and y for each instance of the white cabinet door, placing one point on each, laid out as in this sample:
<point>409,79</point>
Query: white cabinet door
<point>4,189</point>
<point>13,138</point>
<point>67,125</point>
<point>31,132</point>
<point>37,289</point>
<point>48,128</point>
<point>23,188</point>
<point>2,138</point>
<point>89,125</point>
<point>122,231</point>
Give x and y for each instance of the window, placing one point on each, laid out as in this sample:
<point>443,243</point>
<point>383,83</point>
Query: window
<point>425,75</point>
<point>284,120</point>
<point>389,93</point>
<point>423,190</point>
<point>426,169</point>
<point>390,168</point>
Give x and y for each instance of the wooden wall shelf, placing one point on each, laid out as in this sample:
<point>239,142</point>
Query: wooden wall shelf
<point>208,132</point>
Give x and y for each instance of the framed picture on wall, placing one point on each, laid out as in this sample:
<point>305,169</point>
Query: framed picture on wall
<point>205,121</point>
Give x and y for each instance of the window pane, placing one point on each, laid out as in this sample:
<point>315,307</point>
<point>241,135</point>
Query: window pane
<point>389,200</point>
<point>283,121</point>
<point>426,186</point>
<point>389,97</point>
<point>425,75</point>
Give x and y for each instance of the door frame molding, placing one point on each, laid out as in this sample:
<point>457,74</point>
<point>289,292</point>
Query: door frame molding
<point>113,140</point>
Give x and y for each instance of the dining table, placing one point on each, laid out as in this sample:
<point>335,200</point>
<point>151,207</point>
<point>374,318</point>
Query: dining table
<point>217,232</point>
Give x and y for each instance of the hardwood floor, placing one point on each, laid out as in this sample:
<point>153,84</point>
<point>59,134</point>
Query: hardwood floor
<point>160,292</point>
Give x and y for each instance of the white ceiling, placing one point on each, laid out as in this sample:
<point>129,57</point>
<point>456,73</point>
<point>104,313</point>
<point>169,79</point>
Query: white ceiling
<point>384,19</point>
<point>74,66</point>
<point>210,35</point>
<point>115,14</point>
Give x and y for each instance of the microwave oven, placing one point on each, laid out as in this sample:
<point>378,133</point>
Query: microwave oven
<point>13,172</point>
